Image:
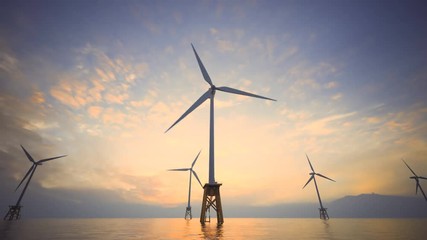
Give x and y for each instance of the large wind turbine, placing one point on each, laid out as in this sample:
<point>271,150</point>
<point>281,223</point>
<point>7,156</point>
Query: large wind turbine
<point>14,210</point>
<point>211,189</point>
<point>210,94</point>
<point>192,172</point>
<point>322,210</point>
<point>417,180</point>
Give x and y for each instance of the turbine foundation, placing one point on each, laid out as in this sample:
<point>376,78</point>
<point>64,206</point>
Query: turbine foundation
<point>13,213</point>
<point>211,199</point>
<point>323,213</point>
<point>188,215</point>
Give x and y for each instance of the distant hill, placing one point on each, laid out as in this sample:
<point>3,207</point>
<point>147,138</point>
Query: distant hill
<point>361,206</point>
<point>378,206</point>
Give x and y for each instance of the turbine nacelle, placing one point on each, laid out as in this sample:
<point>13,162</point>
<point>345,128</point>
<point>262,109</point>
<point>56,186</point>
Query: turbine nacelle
<point>213,90</point>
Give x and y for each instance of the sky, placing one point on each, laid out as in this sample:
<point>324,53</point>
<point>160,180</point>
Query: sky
<point>101,81</point>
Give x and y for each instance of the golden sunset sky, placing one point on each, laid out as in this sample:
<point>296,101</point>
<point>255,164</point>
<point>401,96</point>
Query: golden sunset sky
<point>101,81</point>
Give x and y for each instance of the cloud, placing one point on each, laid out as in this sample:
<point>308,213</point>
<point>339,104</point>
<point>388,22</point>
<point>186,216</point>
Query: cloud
<point>323,126</point>
<point>8,63</point>
<point>113,116</point>
<point>38,97</point>
<point>105,76</point>
<point>94,111</point>
<point>225,46</point>
<point>286,54</point>
<point>331,85</point>
<point>337,96</point>
<point>169,49</point>
<point>373,120</point>
<point>96,90</point>
<point>213,31</point>
<point>71,93</point>
<point>116,98</point>
<point>307,78</point>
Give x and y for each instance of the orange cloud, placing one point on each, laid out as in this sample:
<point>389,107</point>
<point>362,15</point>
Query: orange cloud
<point>38,97</point>
<point>112,116</point>
<point>94,111</point>
<point>323,126</point>
<point>116,98</point>
<point>71,93</point>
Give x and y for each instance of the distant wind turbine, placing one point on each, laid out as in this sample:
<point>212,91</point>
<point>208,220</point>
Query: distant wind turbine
<point>322,210</point>
<point>14,211</point>
<point>192,172</point>
<point>211,189</point>
<point>417,180</point>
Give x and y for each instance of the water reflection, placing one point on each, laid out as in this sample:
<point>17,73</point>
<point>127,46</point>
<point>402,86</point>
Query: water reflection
<point>5,229</point>
<point>234,228</point>
<point>327,231</point>
<point>212,231</point>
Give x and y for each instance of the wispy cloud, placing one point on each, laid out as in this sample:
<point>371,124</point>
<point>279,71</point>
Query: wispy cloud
<point>8,62</point>
<point>326,126</point>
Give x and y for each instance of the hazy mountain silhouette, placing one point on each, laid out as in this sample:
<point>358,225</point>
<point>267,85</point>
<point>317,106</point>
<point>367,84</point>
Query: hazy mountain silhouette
<point>361,206</point>
<point>378,206</point>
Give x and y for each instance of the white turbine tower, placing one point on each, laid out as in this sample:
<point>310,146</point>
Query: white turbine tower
<point>322,210</point>
<point>417,180</point>
<point>211,196</point>
<point>188,214</point>
<point>14,210</point>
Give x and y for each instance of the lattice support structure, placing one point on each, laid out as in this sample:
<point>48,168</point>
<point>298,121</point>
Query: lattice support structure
<point>323,214</point>
<point>188,214</point>
<point>211,199</point>
<point>13,213</point>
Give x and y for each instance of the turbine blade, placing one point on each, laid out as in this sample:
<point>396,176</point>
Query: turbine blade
<point>423,178</point>
<point>309,180</point>
<point>28,155</point>
<point>312,169</point>
<point>26,175</point>
<point>194,162</point>
<point>195,174</point>
<point>409,168</point>
<point>202,68</point>
<point>240,92</point>
<point>179,169</point>
<point>49,159</point>
<point>199,101</point>
<point>425,197</point>
<point>320,175</point>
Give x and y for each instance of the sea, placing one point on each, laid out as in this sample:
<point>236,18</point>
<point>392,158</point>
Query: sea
<point>233,228</point>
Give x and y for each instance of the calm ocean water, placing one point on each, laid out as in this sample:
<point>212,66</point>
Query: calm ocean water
<point>233,228</point>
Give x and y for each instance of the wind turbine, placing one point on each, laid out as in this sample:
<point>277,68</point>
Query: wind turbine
<point>14,210</point>
<point>211,196</point>
<point>417,180</point>
<point>192,172</point>
<point>323,213</point>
